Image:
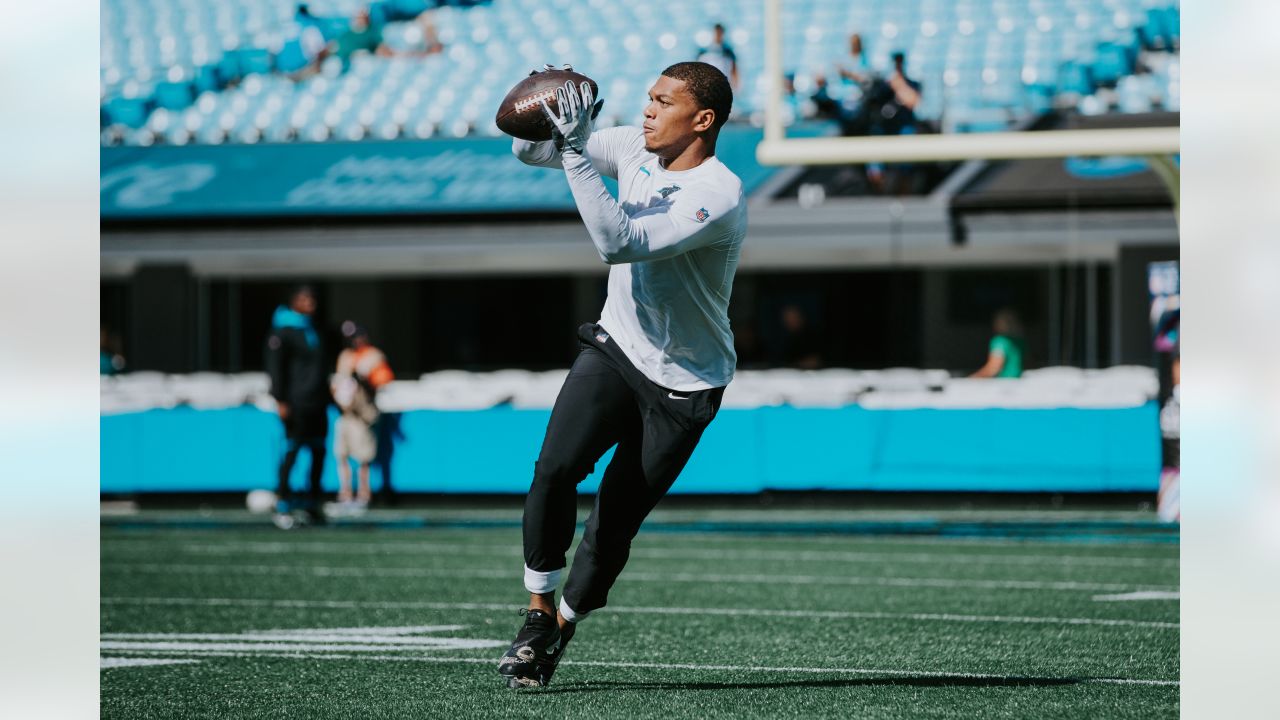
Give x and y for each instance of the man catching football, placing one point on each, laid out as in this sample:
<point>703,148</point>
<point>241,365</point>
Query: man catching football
<point>651,373</point>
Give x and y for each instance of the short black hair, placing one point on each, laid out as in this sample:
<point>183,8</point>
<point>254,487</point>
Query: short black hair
<point>301,289</point>
<point>708,86</point>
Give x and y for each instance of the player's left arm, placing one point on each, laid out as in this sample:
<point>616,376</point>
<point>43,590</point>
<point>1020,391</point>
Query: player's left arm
<point>695,219</point>
<point>995,361</point>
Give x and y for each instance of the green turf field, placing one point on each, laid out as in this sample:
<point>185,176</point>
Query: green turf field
<point>827,614</point>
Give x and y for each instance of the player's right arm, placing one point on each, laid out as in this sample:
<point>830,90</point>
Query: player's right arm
<point>604,148</point>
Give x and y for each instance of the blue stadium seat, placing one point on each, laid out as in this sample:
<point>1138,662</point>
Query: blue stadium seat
<point>128,111</point>
<point>1171,24</point>
<point>1075,78</point>
<point>228,68</point>
<point>254,60</point>
<point>174,95</point>
<point>291,57</point>
<point>1112,63</point>
<point>205,78</point>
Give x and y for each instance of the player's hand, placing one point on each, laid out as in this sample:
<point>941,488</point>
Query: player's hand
<point>282,409</point>
<point>571,127</point>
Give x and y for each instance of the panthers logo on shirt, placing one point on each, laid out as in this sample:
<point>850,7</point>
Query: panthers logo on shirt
<point>701,215</point>
<point>664,192</point>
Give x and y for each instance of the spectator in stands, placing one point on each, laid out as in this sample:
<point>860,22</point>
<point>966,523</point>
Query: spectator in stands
<point>855,68</point>
<point>895,116</point>
<point>800,346</point>
<point>825,104</point>
<point>431,44</point>
<point>307,22</point>
<point>361,36</point>
<point>304,45</point>
<point>720,55</point>
<point>906,96</point>
<point>1005,353</point>
<point>361,370</point>
<point>296,364</point>
<point>852,76</point>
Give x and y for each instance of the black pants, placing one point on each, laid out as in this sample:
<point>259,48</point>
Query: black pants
<point>305,427</point>
<point>606,401</point>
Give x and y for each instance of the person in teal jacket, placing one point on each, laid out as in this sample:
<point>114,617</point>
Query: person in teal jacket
<point>1005,353</point>
<point>299,370</point>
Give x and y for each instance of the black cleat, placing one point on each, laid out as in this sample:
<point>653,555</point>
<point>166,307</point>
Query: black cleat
<point>533,656</point>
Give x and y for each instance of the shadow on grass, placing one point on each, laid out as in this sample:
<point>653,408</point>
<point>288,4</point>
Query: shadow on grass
<point>906,680</point>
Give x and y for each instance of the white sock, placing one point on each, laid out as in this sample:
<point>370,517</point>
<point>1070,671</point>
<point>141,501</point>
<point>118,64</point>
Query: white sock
<point>541,582</point>
<point>568,614</point>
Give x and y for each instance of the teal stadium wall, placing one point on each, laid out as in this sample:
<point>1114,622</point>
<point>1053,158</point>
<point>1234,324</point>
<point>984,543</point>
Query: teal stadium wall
<point>744,451</point>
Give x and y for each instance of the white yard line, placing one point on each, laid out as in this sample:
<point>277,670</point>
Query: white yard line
<point>219,652</point>
<point>308,647</point>
<point>117,662</point>
<point>348,631</point>
<point>729,612</point>
<point>698,578</point>
<point>513,550</point>
<point>1143,595</point>
<point>303,639</point>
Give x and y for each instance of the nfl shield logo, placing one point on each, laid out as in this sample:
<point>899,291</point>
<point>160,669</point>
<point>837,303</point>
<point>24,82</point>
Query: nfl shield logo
<point>701,215</point>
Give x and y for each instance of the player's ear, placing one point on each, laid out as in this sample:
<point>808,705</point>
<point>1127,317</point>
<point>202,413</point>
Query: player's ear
<point>704,119</point>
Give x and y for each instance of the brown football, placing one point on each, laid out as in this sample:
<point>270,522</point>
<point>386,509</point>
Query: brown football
<point>520,114</point>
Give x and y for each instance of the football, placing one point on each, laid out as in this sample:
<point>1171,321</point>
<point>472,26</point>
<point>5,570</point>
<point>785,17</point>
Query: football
<point>520,114</point>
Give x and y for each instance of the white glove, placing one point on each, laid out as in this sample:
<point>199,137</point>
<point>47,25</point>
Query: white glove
<point>571,128</point>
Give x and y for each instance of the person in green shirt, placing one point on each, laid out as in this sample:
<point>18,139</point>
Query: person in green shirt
<point>1004,356</point>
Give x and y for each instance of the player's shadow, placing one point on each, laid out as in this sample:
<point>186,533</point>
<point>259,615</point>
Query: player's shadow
<point>904,680</point>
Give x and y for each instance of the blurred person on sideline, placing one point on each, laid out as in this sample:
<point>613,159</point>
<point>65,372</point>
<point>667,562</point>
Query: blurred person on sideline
<point>110,361</point>
<point>296,365</point>
<point>388,432</point>
<point>800,345</point>
<point>361,370</point>
<point>1168,505</point>
<point>720,55</point>
<point>1005,353</point>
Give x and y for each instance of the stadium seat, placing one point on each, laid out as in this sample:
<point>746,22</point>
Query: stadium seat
<point>174,95</point>
<point>128,111</point>
<point>1112,63</point>
<point>291,57</point>
<point>1074,78</point>
<point>254,60</point>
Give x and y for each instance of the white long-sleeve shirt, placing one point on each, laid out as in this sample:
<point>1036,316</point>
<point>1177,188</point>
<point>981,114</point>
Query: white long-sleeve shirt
<point>673,240</point>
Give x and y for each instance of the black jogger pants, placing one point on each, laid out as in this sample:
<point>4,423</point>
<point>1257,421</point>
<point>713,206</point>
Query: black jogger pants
<point>606,401</point>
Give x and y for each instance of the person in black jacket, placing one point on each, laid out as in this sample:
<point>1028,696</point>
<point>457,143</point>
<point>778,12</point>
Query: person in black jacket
<point>300,385</point>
